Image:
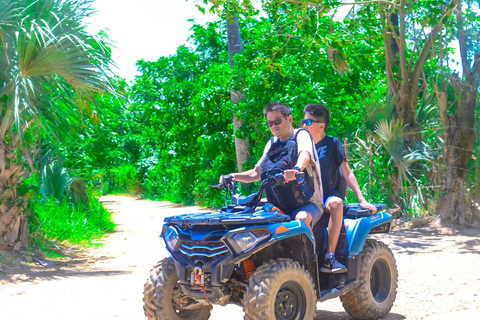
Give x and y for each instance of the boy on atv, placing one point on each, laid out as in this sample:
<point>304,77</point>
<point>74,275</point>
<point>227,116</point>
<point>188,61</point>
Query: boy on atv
<point>336,175</point>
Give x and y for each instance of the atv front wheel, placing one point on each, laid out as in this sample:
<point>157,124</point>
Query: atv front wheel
<point>280,289</point>
<point>377,291</point>
<point>164,299</point>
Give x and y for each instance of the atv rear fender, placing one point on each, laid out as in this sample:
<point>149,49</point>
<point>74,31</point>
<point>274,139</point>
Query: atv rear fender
<point>358,230</point>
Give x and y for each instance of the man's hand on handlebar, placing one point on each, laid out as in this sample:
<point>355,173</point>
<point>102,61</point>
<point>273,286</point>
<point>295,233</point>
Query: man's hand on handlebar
<point>290,174</point>
<point>226,178</point>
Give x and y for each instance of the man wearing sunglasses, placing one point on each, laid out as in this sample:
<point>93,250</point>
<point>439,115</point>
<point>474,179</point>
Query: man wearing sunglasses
<point>333,163</point>
<point>279,120</point>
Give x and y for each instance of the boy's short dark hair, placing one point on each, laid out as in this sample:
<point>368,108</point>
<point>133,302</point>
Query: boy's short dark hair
<point>277,106</point>
<point>319,112</point>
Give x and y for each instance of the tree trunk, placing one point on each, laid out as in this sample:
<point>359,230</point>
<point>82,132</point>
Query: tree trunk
<point>235,47</point>
<point>403,73</point>
<point>459,134</point>
<point>406,108</point>
<point>453,205</point>
<point>394,51</point>
<point>13,214</point>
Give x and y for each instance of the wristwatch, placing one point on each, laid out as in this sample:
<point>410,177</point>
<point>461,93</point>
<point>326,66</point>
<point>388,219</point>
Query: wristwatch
<point>297,168</point>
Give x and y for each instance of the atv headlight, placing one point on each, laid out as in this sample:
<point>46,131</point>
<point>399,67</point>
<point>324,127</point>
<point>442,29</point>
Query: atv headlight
<point>244,241</point>
<point>171,237</point>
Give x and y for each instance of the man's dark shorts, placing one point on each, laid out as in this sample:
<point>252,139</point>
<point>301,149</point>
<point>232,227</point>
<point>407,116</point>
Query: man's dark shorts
<point>310,207</point>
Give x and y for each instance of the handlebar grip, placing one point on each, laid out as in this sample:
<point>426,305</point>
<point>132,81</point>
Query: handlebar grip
<point>216,186</point>
<point>279,177</point>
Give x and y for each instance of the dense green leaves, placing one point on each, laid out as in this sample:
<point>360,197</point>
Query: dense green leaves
<point>50,67</point>
<point>178,121</point>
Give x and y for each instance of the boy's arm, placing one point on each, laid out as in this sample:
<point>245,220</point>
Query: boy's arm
<point>353,184</point>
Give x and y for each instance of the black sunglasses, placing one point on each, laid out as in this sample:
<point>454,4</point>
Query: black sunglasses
<point>308,122</point>
<point>275,122</point>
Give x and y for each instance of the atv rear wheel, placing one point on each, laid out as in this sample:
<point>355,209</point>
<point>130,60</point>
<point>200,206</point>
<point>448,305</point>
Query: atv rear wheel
<point>164,299</point>
<point>377,291</point>
<point>280,289</point>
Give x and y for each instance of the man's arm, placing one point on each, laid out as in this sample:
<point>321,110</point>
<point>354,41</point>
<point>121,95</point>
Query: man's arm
<point>302,163</point>
<point>254,174</point>
<point>305,150</point>
<point>353,184</point>
<point>248,176</point>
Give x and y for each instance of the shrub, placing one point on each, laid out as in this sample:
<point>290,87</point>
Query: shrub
<point>60,221</point>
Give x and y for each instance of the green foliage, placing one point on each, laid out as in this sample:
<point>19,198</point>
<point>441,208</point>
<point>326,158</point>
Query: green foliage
<point>180,117</point>
<point>379,154</point>
<point>50,67</point>
<point>373,171</point>
<point>46,53</point>
<point>55,180</point>
<point>123,179</point>
<point>60,221</point>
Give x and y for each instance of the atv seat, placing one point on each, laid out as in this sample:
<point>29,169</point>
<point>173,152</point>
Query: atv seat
<point>240,200</point>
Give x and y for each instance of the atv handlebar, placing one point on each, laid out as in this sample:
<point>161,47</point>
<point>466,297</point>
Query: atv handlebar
<point>277,179</point>
<point>229,183</point>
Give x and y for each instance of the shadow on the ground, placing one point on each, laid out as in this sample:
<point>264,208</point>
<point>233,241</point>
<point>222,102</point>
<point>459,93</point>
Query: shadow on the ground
<point>23,271</point>
<point>59,270</point>
<point>327,315</point>
<point>417,240</point>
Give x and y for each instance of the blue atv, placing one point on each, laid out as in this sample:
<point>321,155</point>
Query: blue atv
<point>253,255</point>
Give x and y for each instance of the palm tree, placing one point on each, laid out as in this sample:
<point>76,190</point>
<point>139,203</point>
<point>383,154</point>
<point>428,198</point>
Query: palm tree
<point>48,63</point>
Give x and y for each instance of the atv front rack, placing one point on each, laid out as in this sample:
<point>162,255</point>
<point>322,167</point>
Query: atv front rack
<point>227,218</point>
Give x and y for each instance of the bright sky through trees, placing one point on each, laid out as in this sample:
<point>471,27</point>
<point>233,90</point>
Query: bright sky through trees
<point>149,29</point>
<point>144,29</point>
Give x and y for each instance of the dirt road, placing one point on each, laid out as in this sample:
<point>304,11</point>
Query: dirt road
<point>439,275</point>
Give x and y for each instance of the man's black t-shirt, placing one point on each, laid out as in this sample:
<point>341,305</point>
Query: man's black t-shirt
<point>331,155</point>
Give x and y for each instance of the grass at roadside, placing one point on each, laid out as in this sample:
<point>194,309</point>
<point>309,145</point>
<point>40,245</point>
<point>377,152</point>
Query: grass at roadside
<point>60,222</point>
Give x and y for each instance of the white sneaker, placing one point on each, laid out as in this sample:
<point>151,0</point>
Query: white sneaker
<point>333,266</point>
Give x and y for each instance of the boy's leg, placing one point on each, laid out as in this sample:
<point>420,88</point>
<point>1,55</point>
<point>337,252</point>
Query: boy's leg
<point>333,206</point>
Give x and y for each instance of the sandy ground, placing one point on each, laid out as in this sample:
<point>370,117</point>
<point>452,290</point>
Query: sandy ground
<point>439,273</point>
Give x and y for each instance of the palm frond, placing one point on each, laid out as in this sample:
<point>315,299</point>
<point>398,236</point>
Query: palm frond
<point>338,59</point>
<point>7,14</point>
<point>48,59</point>
<point>377,108</point>
<point>428,112</point>
<point>55,180</point>
<point>392,137</point>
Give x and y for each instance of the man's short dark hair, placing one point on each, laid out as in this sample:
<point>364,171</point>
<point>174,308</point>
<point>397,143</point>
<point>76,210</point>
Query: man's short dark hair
<point>277,106</point>
<point>319,112</point>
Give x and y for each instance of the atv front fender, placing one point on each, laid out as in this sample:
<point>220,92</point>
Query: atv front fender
<point>289,229</point>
